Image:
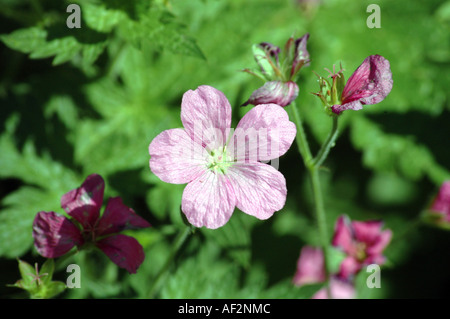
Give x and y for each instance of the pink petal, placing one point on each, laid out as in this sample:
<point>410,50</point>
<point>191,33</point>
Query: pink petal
<point>54,235</point>
<point>208,200</point>
<point>343,236</point>
<point>339,290</point>
<point>118,217</point>
<point>264,133</point>
<point>441,203</point>
<point>310,267</point>
<point>367,232</point>
<point>124,251</point>
<point>206,116</point>
<point>85,202</point>
<point>260,189</point>
<point>175,158</point>
<point>349,267</point>
<point>380,244</point>
<point>369,84</point>
<point>276,92</point>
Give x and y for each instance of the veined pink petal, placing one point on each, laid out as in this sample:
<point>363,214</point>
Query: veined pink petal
<point>208,200</point>
<point>310,267</point>
<point>276,92</point>
<point>369,84</point>
<point>54,235</point>
<point>264,133</point>
<point>118,217</point>
<point>259,188</point>
<point>124,251</point>
<point>349,267</point>
<point>206,116</point>
<point>176,158</point>
<point>343,236</point>
<point>85,202</point>
<point>339,290</point>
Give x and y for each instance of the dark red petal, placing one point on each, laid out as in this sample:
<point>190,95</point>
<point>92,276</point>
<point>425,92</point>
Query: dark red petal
<point>85,202</point>
<point>118,217</point>
<point>124,251</point>
<point>54,235</point>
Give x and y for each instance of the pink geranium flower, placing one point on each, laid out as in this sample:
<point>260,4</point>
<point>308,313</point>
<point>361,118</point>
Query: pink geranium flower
<point>223,170</point>
<point>54,235</point>
<point>339,289</point>
<point>310,267</point>
<point>363,243</point>
<point>369,84</point>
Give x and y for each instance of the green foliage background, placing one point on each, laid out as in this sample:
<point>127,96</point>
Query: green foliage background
<point>79,101</point>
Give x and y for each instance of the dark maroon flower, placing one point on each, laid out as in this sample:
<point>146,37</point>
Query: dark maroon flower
<point>362,242</point>
<point>54,235</point>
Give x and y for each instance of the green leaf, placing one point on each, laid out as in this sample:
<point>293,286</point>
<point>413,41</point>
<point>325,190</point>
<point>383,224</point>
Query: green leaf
<point>234,238</point>
<point>202,276</point>
<point>27,271</point>
<point>47,267</point>
<point>100,18</point>
<point>155,32</point>
<point>17,218</point>
<point>35,42</point>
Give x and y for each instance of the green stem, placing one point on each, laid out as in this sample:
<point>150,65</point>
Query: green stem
<point>321,221</point>
<point>327,145</point>
<point>305,151</point>
<point>64,258</point>
<point>410,227</point>
<point>302,142</point>
<point>179,241</point>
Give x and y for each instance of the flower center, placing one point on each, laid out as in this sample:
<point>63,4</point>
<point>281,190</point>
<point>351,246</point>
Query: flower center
<point>361,254</point>
<point>218,161</point>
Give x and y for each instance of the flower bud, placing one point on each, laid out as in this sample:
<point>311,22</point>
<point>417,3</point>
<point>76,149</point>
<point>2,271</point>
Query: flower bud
<point>277,92</point>
<point>438,214</point>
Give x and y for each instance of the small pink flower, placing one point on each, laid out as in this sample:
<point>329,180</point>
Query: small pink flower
<point>439,211</point>
<point>362,242</point>
<point>223,170</point>
<point>339,289</point>
<point>54,235</point>
<point>310,267</point>
<point>369,84</point>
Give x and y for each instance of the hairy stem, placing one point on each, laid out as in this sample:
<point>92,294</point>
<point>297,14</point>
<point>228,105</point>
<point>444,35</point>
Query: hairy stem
<point>313,170</point>
<point>327,145</point>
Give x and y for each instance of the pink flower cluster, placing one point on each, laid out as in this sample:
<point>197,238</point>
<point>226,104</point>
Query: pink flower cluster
<point>361,242</point>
